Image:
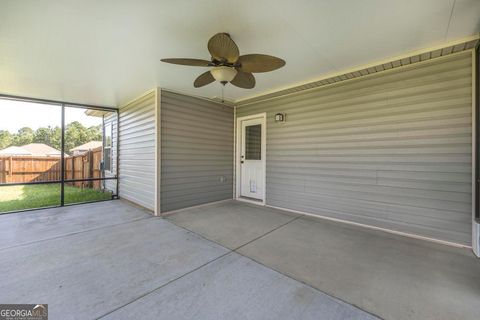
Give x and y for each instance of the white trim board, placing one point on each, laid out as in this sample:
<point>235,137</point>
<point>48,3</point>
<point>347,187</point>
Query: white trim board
<point>238,145</point>
<point>141,96</point>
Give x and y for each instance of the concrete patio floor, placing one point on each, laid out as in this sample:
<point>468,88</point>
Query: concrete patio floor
<point>391,276</point>
<point>114,260</point>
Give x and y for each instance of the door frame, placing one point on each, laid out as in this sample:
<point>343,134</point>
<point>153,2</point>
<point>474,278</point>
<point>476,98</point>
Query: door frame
<point>238,148</point>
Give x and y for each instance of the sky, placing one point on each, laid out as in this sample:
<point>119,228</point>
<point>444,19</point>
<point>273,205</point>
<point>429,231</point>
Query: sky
<point>17,114</point>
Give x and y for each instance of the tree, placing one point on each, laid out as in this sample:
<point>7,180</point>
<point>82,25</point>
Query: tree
<point>43,135</point>
<point>49,136</point>
<point>6,139</point>
<point>24,136</point>
<point>76,134</point>
<point>56,138</point>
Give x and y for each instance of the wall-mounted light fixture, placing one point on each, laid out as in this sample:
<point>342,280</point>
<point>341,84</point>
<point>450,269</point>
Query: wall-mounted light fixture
<point>280,117</point>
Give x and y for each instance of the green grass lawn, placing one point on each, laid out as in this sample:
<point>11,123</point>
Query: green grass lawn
<point>14,198</point>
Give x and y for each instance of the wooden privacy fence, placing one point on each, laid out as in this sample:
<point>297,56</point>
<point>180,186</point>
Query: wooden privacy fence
<point>18,169</point>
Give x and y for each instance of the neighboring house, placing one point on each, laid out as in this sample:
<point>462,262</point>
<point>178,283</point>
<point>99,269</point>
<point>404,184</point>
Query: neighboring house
<point>32,149</point>
<point>42,150</point>
<point>15,151</point>
<point>86,147</point>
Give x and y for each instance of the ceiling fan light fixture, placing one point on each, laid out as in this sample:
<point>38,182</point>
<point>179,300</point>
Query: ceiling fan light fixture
<point>227,65</point>
<point>223,74</point>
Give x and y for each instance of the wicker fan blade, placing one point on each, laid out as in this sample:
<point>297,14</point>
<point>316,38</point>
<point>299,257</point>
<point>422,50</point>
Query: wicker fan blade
<point>259,63</point>
<point>188,62</point>
<point>244,80</point>
<point>222,47</point>
<point>204,79</point>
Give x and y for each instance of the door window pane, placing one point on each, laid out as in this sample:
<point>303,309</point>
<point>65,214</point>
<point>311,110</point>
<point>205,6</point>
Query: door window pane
<point>253,142</point>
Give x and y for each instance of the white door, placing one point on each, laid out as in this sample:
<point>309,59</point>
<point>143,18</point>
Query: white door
<point>251,159</point>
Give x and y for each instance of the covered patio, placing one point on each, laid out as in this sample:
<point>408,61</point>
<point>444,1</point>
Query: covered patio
<point>236,160</point>
<point>227,260</point>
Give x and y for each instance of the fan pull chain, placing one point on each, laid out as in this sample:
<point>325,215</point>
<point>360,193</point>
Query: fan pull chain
<point>223,100</point>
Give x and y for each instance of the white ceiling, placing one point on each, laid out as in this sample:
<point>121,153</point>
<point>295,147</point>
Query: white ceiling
<point>108,52</point>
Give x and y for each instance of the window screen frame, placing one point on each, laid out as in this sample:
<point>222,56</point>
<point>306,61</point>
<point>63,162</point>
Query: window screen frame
<point>62,105</point>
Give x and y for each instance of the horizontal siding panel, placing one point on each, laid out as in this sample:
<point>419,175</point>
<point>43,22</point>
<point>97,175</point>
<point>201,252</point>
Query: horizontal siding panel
<point>379,210</point>
<point>198,192</point>
<point>198,163</point>
<point>380,158</point>
<point>137,151</point>
<point>185,172</point>
<point>194,115</point>
<point>181,147</point>
<point>386,150</point>
<point>310,188</point>
<point>375,83</point>
<point>425,185</point>
<point>197,151</point>
<point>364,178</point>
<point>139,131</point>
<point>341,187</point>
<point>144,115</point>
<point>178,132</point>
<point>190,181</point>
<point>447,91</point>
<point>181,138</point>
<point>408,227</point>
<point>204,131</point>
<point>141,146</point>
<point>387,107</point>
<point>462,110</point>
<point>372,142</point>
<point>141,154</point>
<point>434,135</point>
<point>203,156</point>
<point>286,167</point>
<point>393,213</point>
<point>452,121</point>
<point>392,150</point>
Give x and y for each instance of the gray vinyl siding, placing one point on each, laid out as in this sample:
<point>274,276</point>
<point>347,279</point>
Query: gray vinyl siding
<point>391,150</point>
<point>196,151</point>
<point>137,151</point>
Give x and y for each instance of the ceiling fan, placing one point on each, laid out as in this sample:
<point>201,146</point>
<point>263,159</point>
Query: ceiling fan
<point>227,65</point>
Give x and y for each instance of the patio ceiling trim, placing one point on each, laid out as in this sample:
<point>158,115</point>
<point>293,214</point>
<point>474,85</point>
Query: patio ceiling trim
<point>449,48</point>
